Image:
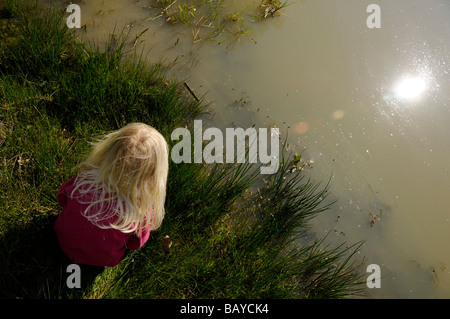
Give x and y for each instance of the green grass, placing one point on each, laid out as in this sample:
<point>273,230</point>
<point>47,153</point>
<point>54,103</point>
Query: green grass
<point>230,239</point>
<point>209,19</point>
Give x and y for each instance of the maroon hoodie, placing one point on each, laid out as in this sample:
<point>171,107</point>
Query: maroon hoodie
<point>85,243</point>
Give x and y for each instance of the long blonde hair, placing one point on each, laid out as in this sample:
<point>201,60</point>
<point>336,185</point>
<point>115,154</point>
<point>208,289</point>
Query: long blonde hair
<point>125,176</point>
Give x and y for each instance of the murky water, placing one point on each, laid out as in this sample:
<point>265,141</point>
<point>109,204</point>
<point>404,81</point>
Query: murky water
<point>370,107</point>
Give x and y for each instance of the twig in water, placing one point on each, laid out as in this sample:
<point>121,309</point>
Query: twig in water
<point>190,91</point>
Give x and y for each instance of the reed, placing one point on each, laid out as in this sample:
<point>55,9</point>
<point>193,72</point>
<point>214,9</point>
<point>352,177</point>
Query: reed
<point>210,19</point>
<point>269,8</point>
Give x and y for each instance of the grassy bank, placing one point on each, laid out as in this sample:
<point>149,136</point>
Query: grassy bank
<point>229,241</point>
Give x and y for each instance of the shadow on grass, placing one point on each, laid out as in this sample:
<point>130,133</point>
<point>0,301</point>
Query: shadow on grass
<point>33,266</point>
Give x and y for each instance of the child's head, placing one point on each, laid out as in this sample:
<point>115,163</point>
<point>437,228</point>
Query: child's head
<point>128,167</point>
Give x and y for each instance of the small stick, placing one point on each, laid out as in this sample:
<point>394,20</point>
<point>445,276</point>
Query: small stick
<point>190,91</point>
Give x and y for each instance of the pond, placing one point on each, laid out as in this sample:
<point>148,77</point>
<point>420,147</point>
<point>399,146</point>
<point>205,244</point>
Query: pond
<point>368,107</point>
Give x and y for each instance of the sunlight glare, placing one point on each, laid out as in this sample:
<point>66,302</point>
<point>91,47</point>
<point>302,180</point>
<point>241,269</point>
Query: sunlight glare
<point>411,88</point>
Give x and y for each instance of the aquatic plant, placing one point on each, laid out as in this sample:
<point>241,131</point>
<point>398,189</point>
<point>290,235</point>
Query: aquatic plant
<point>271,7</point>
<point>211,18</point>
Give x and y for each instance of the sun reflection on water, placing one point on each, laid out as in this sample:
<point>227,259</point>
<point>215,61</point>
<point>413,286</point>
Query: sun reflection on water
<point>410,88</point>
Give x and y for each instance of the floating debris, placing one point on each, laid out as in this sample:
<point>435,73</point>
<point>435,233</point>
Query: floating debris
<point>374,218</point>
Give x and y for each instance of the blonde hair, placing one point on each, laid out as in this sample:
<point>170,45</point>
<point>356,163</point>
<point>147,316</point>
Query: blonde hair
<point>125,176</point>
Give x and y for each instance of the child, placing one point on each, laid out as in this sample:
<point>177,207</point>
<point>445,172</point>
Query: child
<point>116,199</point>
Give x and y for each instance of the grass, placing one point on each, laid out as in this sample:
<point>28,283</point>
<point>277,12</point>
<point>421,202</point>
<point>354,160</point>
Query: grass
<point>269,8</point>
<point>230,239</point>
<point>208,19</point>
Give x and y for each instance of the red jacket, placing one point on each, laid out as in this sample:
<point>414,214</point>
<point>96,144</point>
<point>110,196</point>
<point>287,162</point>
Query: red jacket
<point>85,243</point>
